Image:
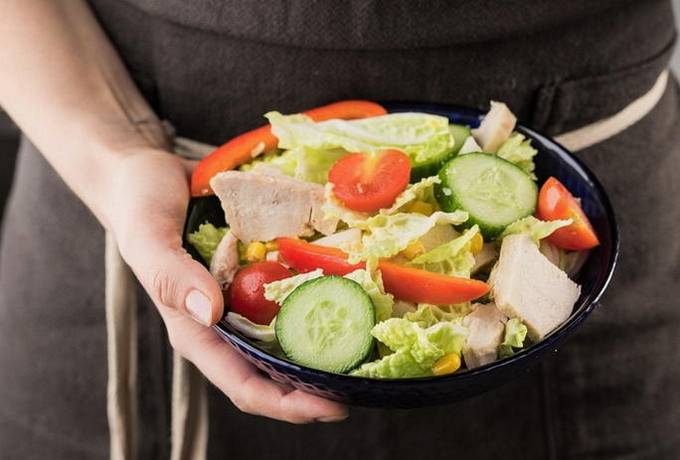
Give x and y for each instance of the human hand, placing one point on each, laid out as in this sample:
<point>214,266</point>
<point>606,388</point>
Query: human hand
<point>145,210</point>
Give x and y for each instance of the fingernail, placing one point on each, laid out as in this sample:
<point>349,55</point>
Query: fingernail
<point>331,419</point>
<point>198,306</point>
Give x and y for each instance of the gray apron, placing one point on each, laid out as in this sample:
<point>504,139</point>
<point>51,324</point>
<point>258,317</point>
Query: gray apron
<point>212,69</point>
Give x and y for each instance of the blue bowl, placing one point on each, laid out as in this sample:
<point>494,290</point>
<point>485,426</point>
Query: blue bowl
<point>552,160</point>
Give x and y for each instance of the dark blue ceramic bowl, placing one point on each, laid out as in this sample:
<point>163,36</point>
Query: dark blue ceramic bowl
<point>552,160</point>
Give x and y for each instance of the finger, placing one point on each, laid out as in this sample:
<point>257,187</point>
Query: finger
<point>240,381</point>
<point>174,279</point>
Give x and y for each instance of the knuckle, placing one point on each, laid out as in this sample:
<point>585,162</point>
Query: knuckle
<point>163,288</point>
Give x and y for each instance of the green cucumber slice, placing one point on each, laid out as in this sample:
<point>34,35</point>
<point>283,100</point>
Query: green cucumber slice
<point>432,165</point>
<point>326,323</point>
<point>493,191</point>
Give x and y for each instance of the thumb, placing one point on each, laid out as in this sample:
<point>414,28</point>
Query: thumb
<point>175,280</point>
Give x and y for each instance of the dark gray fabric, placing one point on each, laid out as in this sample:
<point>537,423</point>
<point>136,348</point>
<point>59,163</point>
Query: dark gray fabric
<point>213,68</point>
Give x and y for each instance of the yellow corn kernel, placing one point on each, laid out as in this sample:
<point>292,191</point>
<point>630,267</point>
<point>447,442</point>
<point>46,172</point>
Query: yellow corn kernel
<point>447,364</point>
<point>271,246</point>
<point>420,207</point>
<point>255,252</point>
<point>476,244</point>
<point>413,250</point>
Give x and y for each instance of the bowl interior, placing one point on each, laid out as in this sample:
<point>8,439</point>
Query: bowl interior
<point>552,160</point>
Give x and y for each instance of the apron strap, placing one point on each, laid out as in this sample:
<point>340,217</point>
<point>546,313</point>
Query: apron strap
<point>602,130</point>
<point>121,332</point>
<point>189,404</point>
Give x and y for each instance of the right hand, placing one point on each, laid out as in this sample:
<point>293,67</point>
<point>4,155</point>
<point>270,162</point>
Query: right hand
<point>146,211</point>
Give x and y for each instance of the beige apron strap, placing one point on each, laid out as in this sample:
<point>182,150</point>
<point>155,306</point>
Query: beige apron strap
<point>121,331</point>
<point>189,425</point>
<point>602,130</point>
<point>189,431</point>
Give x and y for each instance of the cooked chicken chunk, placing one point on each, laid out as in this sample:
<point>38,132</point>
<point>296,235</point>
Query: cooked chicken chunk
<point>261,207</point>
<point>469,146</point>
<point>224,263</point>
<point>526,285</point>
<point>495,128</point>
<point>485,257</point>
<point>486,325</point>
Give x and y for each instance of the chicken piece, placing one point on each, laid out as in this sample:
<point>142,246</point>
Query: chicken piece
<point>469,146</point>
<point>487,255</point>
<point>496,127</point>
<point>526,285</point>
<point>486,325</point>
<point>261,207</point>
<point>224,263</point>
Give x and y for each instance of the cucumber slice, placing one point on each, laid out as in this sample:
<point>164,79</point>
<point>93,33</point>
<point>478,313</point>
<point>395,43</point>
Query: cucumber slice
<point>492,190</point>
<point>432,165</point>
<point>459,133</point>
<point>326,323</point>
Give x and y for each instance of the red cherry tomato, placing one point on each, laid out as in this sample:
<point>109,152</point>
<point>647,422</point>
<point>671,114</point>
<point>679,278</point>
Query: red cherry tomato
<point>556,202</point>
<point>368,182</point>
<point>246,293</point>
<point>405,283</point>
<point>306,257</point>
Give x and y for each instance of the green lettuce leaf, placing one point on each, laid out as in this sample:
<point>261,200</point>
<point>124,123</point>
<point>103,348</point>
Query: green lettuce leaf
<point>515,333</point>
<point>386,235</point>
<point>421,136</point>
<point>264,333</point>
<point>519,151</point>
<point>277,291</point>
<point>206,239</point>
<point>454,258</point>
<point>333,209</point>
<point>283,162</point>
<point>400,364</point>
<point>422,191</point>
<point>427,315</point>
<point>415,349</point>
<point>537,229</point>
<point>302,163</point>
<point>382,302</point>
<point>569,262</point>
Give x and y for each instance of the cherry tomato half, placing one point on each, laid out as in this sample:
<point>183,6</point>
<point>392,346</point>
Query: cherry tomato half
<point>556,202</point>
<point>246,293</point>
<point>368,182</point>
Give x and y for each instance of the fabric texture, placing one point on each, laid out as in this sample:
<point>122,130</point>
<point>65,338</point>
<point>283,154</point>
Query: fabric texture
<point>603,395</point>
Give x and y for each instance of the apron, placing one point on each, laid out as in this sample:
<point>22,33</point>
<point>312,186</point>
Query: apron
<point>212,69</point>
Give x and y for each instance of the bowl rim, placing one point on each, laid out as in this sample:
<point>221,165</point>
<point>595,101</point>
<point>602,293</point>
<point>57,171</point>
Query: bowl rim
<point>525,354</point>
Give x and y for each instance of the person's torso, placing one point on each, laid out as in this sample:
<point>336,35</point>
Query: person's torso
<point>213,68</point>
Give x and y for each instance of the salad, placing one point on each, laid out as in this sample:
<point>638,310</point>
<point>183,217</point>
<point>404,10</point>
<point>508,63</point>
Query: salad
<point>390,245</point>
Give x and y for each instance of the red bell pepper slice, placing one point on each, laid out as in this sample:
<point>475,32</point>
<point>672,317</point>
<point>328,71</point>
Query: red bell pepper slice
<point>404,283</point>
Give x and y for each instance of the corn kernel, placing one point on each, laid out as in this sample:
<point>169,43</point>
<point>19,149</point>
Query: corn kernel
<point>271,246</point>
<point>413,250</point>
<point>255,252</point>
<point>476,244</point>
<point>420,207</point>
<point>447,364</point>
